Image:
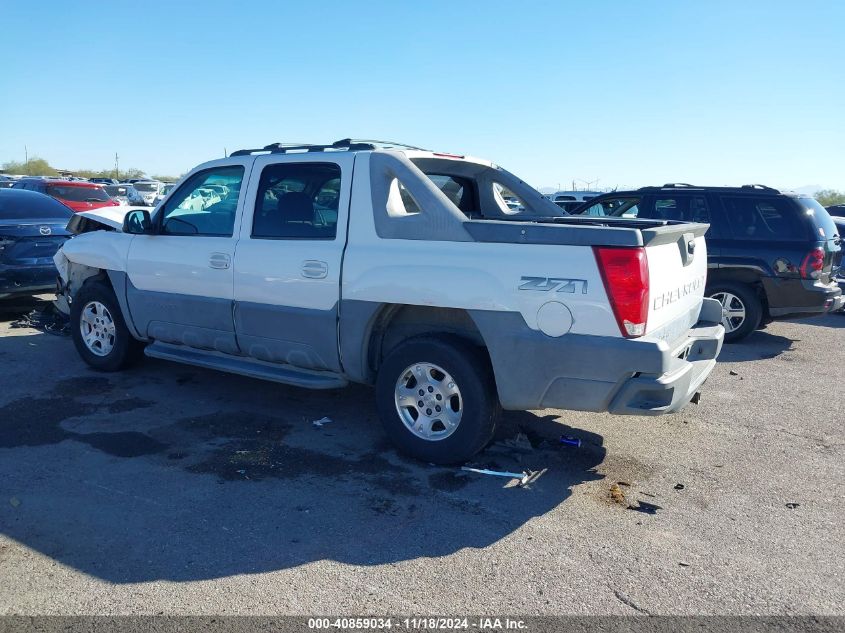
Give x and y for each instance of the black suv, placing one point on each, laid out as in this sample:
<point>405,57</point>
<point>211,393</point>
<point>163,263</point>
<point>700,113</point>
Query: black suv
<point>770,254</point>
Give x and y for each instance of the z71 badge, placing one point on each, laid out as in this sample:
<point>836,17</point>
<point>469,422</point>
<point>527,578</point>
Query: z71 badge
<point>548,284</point>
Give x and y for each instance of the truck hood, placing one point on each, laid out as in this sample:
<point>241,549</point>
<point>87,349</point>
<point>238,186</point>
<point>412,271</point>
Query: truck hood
<point>112,217</point>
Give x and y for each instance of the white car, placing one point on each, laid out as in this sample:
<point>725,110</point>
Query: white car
<point>125,194</point>
<point>148,189</point>
<point>453,306</point>
<point>166,188</point>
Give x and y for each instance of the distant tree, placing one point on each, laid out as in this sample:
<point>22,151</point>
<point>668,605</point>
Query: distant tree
<point>33,167</point>
<point>132,172</point>
<point>166,178</point>
<point>828,197</point>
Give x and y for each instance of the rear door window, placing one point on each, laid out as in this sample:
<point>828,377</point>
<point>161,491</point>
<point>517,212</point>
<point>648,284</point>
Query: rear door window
<point>618,207</point>
<point>765,218</point>
<point>677,208</point>
<point>297,201</point>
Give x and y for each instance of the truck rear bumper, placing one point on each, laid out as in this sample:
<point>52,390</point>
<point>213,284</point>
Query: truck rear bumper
<point>643,376</point>
<point>801,297</point>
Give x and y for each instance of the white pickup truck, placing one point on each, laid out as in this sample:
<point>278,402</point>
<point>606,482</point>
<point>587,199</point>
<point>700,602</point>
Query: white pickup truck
<point>405,269</point>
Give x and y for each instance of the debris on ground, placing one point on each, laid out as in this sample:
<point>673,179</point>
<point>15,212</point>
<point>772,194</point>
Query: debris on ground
<point>792,505</point>
<point>519,442</point>
<point>15,502</point>
<point>623,483</point>
<point>568,440</point>
<point>733,373</point>
<point>321,422</point>
<point>679,486</point>
<point>46,318</point>
<point>645,508</point>
<point>683,564</point>
<point>525,477</point>
<point>616,494</point>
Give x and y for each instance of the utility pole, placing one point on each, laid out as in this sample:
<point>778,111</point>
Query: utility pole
<point>225,153</point>
<point>25,155</point>
<point>116,167</point>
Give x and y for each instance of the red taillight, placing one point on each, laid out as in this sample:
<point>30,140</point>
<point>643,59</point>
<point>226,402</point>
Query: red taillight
<point>624,272</point>
<point>811,267</point>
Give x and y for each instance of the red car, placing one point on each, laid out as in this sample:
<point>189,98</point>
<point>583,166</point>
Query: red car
<point>78,195</point>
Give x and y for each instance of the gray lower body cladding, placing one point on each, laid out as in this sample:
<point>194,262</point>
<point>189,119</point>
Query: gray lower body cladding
<point>644,376</point>
<point>285,335</point>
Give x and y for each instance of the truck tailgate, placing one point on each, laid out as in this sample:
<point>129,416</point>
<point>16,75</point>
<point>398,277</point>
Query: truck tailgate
<point>677,268</point>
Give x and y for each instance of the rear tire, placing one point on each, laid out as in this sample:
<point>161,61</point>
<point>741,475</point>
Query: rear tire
<point>99,331</point>
<point>742,310</point>
<point>428,372</point>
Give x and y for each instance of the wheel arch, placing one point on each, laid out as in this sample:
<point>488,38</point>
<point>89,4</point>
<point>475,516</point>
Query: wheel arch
<point>744,276</point>
<point>116,280</point>
<point>369,331</point>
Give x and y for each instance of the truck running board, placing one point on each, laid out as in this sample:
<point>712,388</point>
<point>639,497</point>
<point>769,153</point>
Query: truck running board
<point>246,367</point>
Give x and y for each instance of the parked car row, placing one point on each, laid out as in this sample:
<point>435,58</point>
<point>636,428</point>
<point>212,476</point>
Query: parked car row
<point>82,194</point>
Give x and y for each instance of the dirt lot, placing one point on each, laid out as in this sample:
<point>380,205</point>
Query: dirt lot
<point>169,489</point>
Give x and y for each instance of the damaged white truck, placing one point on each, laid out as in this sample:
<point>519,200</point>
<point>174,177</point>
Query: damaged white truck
<point>359,261</point>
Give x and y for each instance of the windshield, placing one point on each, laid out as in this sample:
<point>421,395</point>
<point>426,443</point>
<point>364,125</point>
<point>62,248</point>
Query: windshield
<point>28,206</point>
<point>825,227</point>
<point>115,190</point>
<point>146,186</point>
<point>77,193</point>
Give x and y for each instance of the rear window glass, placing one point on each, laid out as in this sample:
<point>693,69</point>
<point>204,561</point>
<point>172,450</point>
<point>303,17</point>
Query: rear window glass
<point>451,187</point>
<point>78,194</point>
<point>22,206</point>
<point>823,224</point>
<point>776,219</point>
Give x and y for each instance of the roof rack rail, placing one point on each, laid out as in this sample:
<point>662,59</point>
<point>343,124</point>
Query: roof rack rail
<point>379,144</point>
<point>346,144</point>
<point>756,186</point>
<point>677,185</point>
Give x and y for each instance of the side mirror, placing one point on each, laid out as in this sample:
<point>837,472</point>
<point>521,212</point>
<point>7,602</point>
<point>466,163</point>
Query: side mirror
<point>137,223</point>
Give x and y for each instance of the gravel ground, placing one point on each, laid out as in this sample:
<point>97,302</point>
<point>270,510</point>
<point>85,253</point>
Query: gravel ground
<point>176,490</point>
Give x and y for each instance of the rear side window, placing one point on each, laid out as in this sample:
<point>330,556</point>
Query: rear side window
<point>297,201</point>
<point>773,219</point>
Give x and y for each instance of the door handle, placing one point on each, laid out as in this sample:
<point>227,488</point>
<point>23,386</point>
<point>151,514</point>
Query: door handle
<point>219,260</point>
<point>314,269</point>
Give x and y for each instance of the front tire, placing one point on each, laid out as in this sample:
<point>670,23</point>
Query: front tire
<point>437,399</point>
<point>742,310</point>
<point>99,331</point>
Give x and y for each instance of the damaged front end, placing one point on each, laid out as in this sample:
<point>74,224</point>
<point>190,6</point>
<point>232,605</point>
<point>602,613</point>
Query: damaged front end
<point>84,257</point>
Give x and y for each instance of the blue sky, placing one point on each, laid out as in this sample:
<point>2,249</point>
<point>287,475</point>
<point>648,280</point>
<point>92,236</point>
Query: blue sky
<point>629,93</point>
